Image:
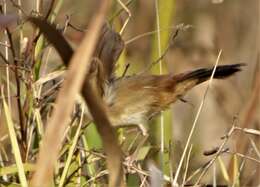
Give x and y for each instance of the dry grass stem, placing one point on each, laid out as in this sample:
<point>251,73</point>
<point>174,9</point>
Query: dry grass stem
<point>80,64</point>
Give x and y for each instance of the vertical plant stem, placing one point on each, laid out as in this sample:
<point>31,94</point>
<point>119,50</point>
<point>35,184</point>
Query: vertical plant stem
<point>14,143</point>
<point>160,71</point>
<point>20,28</point>
<point>38,6</point>
<point>7,65</point>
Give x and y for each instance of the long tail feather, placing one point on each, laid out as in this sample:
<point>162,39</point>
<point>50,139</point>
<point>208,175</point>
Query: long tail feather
<point>204,74</point>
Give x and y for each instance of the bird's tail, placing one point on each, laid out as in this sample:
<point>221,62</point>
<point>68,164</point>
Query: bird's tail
<point>187,80</point>
<point>203,74</point>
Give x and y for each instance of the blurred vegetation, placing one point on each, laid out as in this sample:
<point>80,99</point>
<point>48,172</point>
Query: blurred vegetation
<point>209,26</point>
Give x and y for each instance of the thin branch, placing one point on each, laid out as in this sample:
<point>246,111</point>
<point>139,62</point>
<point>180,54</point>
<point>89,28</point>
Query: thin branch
<point>170,44</point>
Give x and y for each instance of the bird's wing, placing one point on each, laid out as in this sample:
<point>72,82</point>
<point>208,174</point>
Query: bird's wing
<point>109,47</point>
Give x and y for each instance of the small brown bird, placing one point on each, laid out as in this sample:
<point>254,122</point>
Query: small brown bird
<point>134,100</point>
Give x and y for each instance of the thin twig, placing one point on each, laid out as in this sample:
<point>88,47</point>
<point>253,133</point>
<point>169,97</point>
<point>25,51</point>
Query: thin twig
<point>170,44</point>
<point>249,131</point>
<point>187,165</point>
<point>120,10</point>
<point>139,36</point>
<point>128,18</point>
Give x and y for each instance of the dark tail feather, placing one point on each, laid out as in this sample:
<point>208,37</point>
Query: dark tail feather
<point>204,74</point>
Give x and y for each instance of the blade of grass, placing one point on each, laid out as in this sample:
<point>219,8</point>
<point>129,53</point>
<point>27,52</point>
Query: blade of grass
<point>90,166</point>
<point>13,169</point>
<point>223,169</point>
<point>235,171</point>
<point>14,142</point>
<point>48,77</point>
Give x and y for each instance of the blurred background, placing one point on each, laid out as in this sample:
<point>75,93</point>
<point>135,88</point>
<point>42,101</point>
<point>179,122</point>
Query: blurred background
<point>208,27</point>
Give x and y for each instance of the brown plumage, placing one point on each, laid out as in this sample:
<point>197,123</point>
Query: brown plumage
<point>134,100</point>
<point>131,100</point>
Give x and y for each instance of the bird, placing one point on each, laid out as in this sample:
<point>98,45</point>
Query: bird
<point>136,99</point>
